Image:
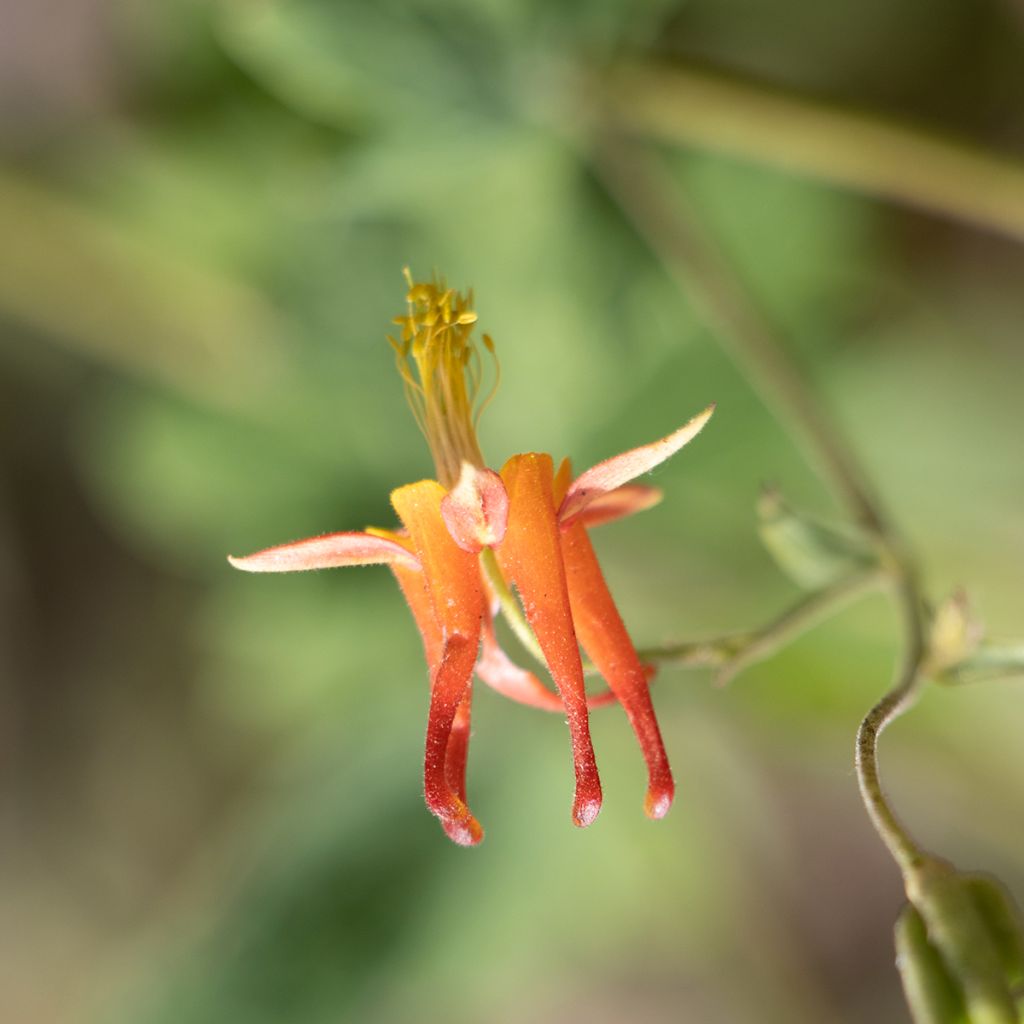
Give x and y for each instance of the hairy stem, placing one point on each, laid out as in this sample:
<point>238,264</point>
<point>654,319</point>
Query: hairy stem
<point>905,851</point>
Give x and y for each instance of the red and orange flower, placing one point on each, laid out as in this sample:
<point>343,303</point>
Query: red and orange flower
<point>469,537</point>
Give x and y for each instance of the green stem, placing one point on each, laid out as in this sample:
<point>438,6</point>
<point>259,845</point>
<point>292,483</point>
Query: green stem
<point>729,654</point>
<point>733,653</point>
<point>904,850</point>
<point>860,150</point>
<point>796,621</point>
<point>674,232</point>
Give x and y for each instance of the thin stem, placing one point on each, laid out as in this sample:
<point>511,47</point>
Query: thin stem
<point>717,292</point>
<point>730,654</point>
<point>796,621</point>
<point>733,653</point>
<point>904,850</point>
<point>857,149</point>
<point>674,232</point>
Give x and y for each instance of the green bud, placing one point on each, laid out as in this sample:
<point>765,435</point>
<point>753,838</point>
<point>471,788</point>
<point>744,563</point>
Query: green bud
<point>971,940</point>
<point>812,553</point>
<point>930,990</point>
<point>954,634</point>
<point>1004,922</point>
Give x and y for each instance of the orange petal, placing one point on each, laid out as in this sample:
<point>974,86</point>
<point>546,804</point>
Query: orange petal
<point>457,751</point>
<point>452,575</point>
<point>475,510</point>
<point>563,478</point>
<point>449,611</point>
<point>531,558</point>
<point>606,641</point>
<point>331,551</point>
<point>413,584</point>
<point>417,596</point>
<point>447,692</point>
<point>504,676</point>
<point>620,469</point>
<point>624,501</point>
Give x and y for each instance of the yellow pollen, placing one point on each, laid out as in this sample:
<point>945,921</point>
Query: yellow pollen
<point>444,391</point>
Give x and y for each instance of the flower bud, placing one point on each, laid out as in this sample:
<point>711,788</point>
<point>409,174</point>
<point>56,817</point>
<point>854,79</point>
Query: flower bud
<point>960,949</point>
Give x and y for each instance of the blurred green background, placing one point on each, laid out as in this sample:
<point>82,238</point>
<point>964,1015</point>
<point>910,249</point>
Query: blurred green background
<point>210,782</point>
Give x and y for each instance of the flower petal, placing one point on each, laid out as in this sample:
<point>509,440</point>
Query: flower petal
<point>604,638</point>
<point>504,676</point>
<point>530,556</point>
<point>457,752</point>
<point>332,551</point>
<point>620,469</point>
<point>449,611</point>
<point>475,510</point>
<point>446,694</point>
<point>624,501</point>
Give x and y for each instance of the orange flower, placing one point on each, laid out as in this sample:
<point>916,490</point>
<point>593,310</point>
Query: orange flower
<point>470,536</point>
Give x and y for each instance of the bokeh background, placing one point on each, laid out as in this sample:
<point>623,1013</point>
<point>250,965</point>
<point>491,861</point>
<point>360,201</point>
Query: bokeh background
<point>210,782</point>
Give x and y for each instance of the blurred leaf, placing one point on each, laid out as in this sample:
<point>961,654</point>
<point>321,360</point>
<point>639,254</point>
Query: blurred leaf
<point>112,297</point>
<point>812,553</point>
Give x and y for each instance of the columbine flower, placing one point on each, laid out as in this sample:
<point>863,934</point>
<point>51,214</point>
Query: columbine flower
<point>470,536</point>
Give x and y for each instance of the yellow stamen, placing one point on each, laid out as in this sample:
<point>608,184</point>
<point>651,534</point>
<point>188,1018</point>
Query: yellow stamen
<point>444,391</point>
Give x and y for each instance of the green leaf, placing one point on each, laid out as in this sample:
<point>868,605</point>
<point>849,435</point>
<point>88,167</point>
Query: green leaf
<point>813,554</point>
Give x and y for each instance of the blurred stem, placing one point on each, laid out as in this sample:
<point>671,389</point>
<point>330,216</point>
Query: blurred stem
<point>738,651</point>
<point>648,197</point>
<point>730,654</point>
<point>860,150</point>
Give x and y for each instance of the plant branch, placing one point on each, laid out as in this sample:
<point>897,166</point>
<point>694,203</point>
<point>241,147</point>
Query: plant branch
<point>733,653</point>
<point>649,199</point>
<point>857,149</point>
<point>720,298</point>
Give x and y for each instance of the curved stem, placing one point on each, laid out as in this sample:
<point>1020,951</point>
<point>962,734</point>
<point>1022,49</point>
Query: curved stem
<point>904,850</point>
<point>674,232</point>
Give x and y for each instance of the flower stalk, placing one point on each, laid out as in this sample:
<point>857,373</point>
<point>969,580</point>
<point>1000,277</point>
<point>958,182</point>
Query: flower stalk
<point>952,939</point>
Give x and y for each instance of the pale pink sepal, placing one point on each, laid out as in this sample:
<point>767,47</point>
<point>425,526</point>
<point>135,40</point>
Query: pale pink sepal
<point>331,551</point>
<point>623,501</point>
<point>620,469</point>
<point>475,510</point>
<point>504,676</point>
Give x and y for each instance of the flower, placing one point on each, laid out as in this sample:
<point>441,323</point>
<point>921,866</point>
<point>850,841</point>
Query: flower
<point>469,537</point>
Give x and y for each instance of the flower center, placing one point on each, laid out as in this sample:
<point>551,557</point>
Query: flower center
<point>445,387</point>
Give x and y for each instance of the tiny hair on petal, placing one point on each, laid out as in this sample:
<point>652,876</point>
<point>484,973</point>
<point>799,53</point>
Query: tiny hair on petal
<point>331,551</point>
<point>621,469</point>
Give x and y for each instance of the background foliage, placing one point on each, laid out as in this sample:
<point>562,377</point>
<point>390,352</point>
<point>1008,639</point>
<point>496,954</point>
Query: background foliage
<point>211,806</point>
